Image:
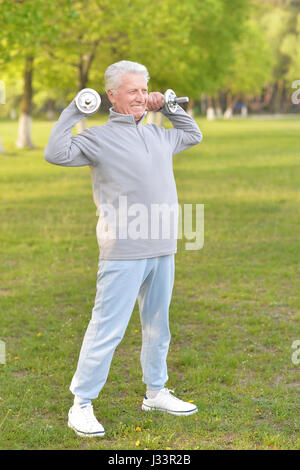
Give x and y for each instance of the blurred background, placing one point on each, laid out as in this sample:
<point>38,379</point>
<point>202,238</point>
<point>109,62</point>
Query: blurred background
<point>232,58</point>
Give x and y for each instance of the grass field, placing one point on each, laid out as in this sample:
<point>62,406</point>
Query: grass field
<point>234,312</point>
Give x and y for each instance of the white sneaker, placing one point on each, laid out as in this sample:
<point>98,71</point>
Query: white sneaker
<point>164,401</point>
<point>82,420</point>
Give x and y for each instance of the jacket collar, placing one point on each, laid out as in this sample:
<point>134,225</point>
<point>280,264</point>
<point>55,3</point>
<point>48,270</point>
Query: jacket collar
<point>125,118</point>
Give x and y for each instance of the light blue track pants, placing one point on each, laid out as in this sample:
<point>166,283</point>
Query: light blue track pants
<point>119,284</point>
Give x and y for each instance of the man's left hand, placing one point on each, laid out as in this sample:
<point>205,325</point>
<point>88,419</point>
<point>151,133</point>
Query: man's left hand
<point>155,101</point>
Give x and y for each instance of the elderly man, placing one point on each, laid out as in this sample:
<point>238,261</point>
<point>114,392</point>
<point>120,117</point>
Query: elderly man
<point>130,163</point>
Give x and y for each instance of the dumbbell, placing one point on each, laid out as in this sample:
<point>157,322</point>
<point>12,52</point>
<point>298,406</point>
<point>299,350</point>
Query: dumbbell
<point>88,101</point>
<point>171,101</point>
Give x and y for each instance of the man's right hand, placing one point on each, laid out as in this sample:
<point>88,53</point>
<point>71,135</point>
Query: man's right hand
<point>155,101</point>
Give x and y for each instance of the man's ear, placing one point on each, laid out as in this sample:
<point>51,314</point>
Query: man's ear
<point>110,96</point>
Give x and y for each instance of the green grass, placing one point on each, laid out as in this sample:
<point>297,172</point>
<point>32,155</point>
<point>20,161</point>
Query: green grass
<point>234,312</point>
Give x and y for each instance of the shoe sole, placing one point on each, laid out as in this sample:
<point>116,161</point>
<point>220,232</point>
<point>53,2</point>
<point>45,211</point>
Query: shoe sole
<point>86,434</point>
<point>176,413</point>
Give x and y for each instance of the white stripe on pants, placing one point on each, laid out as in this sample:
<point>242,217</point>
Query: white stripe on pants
<point>119,284</point>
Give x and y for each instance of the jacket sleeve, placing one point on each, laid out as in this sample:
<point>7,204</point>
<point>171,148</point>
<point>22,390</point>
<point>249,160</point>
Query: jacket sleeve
<point>63,148</point>
<point>185,132</point>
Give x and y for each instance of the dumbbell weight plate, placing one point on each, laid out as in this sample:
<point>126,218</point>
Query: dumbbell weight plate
<point>88,101</point>
<point>169,101</point>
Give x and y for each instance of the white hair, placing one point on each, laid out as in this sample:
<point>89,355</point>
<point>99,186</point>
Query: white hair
<point>114,73</point>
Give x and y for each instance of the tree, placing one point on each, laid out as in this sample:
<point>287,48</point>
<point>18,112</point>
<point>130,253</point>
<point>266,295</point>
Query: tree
<point>26,26</point>
<point>252,68</point>
<point>290,47</point>
<point>185,45</point>
<point>98,36</point>
<point>188,46</point>
<point>277,22</point>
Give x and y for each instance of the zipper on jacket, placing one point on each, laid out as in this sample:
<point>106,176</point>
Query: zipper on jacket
<point>141,136</point>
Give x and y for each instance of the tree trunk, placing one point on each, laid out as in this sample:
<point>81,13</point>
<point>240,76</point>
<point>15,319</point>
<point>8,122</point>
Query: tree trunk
<point>13,114</point>
<point>2,101</point>
<point>82,81</point>
<point>50,110</point>
<point>150,117</point>
<point>154,117</point>
<point>244,110</point>
<point>230,104</point>
<point>210,112</point>
<point>24,131</point>
<point>203,103</point>
<point>1,147</point>
<point>218,107</point>
<point>286,104</point>
<point>278,95</point>
<point>257,103</point>
<point>160,118</point>
<point>81,125</point>
<point>190,108</point>
<point>84,66</point>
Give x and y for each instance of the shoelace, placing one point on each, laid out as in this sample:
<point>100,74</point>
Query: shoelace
<point>89,416</point>
<point>167,391</point>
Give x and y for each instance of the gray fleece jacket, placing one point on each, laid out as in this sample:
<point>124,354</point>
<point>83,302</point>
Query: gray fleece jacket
<point>132,176</point>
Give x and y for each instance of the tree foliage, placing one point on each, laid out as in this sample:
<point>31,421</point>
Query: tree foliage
<point>192,46</point>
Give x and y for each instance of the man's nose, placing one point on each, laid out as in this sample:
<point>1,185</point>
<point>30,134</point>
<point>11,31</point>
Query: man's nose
<point>141,96</point>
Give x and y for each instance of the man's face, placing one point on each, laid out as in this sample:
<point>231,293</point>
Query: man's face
<point>132,95</point>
